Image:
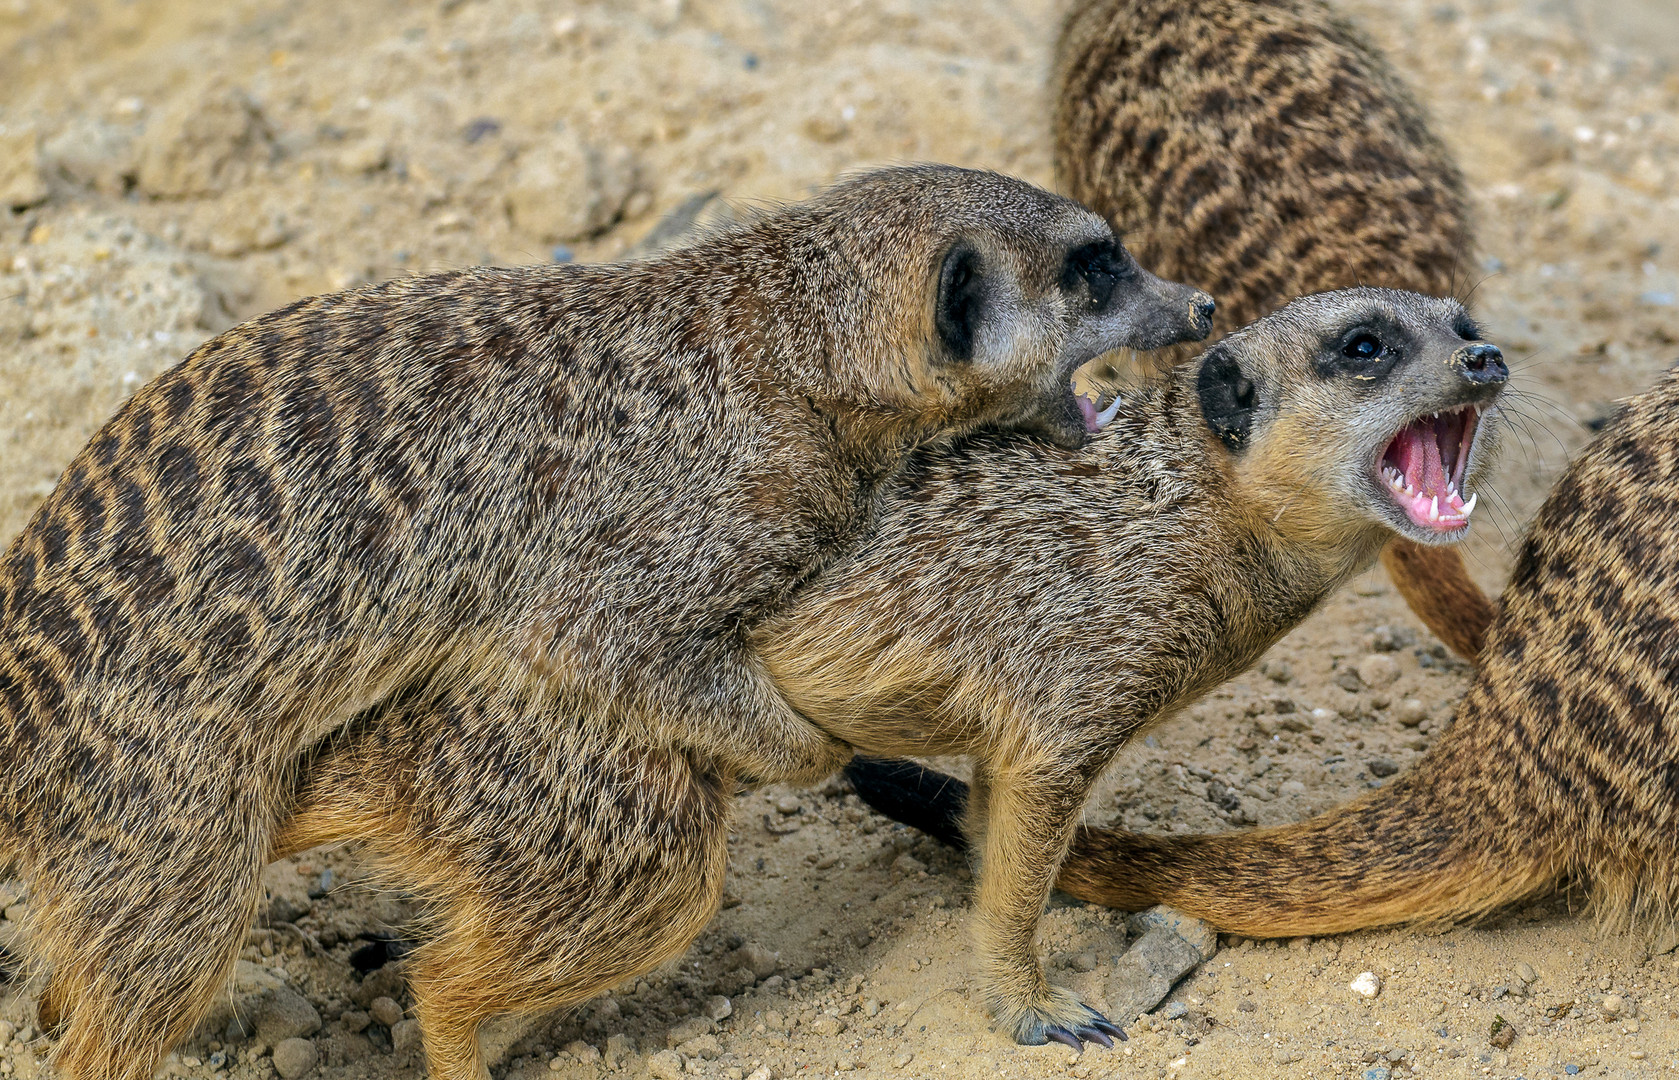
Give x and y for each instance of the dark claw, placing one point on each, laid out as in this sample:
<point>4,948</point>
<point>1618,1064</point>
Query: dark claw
<point>1094,1034</point>
<point>1062,1035</point>
<point>1103,1024</point>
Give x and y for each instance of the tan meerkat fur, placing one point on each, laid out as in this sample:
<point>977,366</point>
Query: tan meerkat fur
<point>578,486</point>
<point>1562,764</point>
<point>1031,606</point>
<point>1266,149</point>
<point>1037,615</point>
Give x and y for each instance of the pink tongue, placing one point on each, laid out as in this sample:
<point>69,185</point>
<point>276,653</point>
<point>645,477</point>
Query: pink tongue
<point>1419,460</point>
<point>1088,408</point>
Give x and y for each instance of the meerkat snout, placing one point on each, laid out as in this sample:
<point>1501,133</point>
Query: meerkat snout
<point>1481,363</point>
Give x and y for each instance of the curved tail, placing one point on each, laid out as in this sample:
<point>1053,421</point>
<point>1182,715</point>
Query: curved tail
<point>1399,855</point>
<point>1438,588</point>
<point>1432,847</point>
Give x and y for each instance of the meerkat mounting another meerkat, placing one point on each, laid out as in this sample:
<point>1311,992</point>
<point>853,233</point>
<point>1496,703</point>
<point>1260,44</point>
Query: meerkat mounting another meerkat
<point>1266,149</point>
<point>578,487</point>
<point>1032,606</point>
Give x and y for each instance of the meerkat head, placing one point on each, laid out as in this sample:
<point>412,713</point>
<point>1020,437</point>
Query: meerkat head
<point>1356,409</point>
<point>1003,291</point>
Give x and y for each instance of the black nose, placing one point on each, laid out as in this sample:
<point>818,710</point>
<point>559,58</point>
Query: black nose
<point>1204,307</point>
<point>1482,363</point>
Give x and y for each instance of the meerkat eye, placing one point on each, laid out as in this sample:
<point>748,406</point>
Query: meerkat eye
<point>1364,346</point>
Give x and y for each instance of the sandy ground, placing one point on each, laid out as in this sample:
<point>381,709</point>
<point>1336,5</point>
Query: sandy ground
<point>173,167</point>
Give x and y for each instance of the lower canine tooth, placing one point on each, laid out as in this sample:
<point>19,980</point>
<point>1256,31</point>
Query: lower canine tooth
<point>1434,507</point>
<point>1469,507</point>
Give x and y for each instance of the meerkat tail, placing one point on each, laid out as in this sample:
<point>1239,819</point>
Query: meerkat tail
<point>1437,587</point>
<point>919,797</point>
<point>1413,852</point>
<point>1400,855</point>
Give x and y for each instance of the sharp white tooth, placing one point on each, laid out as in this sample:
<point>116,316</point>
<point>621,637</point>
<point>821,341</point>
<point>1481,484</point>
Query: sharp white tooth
<point>1106,416</point>
<point>1469,507</point>
<point>1434,507</point>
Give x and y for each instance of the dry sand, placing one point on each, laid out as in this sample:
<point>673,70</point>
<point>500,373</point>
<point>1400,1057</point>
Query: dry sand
<point>185,165</point>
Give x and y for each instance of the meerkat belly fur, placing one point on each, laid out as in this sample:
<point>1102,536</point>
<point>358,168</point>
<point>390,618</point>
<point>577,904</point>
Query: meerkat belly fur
<point>1266,149</point>
<point>579,486</point>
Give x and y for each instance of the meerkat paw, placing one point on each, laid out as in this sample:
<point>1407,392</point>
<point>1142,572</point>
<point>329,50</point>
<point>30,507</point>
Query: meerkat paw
<point>1056,1015</point>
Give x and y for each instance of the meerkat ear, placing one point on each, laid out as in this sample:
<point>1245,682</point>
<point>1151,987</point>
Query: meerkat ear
<point>1227,396</point>
<point>961,301</point>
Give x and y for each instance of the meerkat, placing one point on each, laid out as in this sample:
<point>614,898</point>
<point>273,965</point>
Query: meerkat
<point>1266,149</point>
<point>1562,764</point>
<point>1031,606</point>
<point>585,485</point>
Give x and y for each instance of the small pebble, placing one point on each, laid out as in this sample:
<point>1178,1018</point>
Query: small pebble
<point>1378,670</point>
<point>691,1028</point>
<point>758,959</point>
<point>1382,767</point>
<point>1411,712</point>
<point>1366,984</point>
<point>902,1060</point>
<point>762,1072</point>
<point>619,1048</point>
<point>665,1065</point>
<point>582,1051</point>
<point>717,1007</point>
<point>1613,1004</point>
<point>787,804</point>
<point>828,1026</point>
<point>405,1035</point>
<point>1525,972</point>
<point>386,1011</point>
<point>295,1057</point>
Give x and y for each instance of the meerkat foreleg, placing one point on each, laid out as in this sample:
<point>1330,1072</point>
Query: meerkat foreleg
<point>750,729</point>
<point>1030,807</point>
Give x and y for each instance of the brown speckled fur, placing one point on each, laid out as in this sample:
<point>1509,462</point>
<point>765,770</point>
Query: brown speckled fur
<point>1036,609</point>
<point>1563,761</point>
<point>555,491</point>
<point>1265,149</point>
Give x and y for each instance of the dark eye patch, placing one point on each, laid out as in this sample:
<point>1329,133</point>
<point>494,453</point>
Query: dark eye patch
<point>1465,327</point>
<point>1366,349</point>
<point>1099,267</point>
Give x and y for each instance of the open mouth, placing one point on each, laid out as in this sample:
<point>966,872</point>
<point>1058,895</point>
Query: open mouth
<point>1423,468</point>
<point>1096,415</point>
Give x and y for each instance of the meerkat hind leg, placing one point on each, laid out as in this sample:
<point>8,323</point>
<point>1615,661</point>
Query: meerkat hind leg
<point>137,957</point>
<point>558,856</point>
<point>1029,817</point>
